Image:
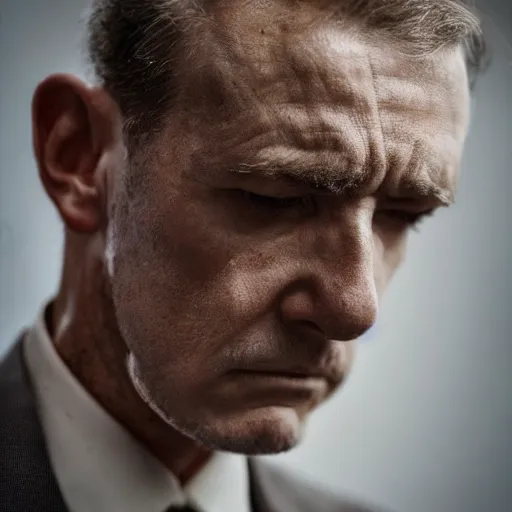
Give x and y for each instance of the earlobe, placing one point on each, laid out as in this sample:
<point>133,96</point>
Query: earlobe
<point>70,138</point>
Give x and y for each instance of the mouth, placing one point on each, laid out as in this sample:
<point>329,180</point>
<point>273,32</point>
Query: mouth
<point>329,369</point>
<point>286,374</point>
<point>291,380</point>
<point>273,385</point>
<point>290,388</point>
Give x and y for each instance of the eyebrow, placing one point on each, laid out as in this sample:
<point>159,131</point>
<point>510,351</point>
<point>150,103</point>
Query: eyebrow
<point>327,180</point>
<point>426,189</point>
<point>335,182</point>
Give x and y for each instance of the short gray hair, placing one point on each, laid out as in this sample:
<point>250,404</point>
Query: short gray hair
<point>133,45</point>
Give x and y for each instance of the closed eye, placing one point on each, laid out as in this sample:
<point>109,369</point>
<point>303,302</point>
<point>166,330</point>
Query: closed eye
<point>402,216</point>
<point>409,218</point>
<point>277,203</point>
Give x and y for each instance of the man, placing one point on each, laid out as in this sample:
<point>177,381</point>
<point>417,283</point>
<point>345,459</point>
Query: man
<point>237,192</point>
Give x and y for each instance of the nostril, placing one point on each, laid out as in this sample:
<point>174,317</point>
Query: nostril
<point>311,325</point>
<point>307,330</point>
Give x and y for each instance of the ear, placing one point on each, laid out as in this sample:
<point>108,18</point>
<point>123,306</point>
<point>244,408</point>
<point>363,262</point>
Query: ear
<point>76,129</point>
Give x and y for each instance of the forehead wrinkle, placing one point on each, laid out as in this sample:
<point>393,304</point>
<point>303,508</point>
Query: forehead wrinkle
<point>420,177</point>
<point>336,145</point>
<point>316,99</point>
<point>355,125</point>
<point>343,113</point>
<point>423,107</point>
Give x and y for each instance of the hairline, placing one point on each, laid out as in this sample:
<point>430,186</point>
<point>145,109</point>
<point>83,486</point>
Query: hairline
<point>190,14</point>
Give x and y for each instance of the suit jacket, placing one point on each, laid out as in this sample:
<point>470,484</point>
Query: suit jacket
<point>28,484</point>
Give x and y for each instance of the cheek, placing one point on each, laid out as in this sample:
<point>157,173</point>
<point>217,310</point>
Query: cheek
<point>179,292</point>
<point>388,254</point>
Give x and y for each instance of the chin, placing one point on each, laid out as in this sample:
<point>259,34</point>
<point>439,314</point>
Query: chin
<point>265,431</point>
<point>257,430</point>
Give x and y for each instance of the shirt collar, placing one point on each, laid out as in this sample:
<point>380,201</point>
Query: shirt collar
<point>99,465</point>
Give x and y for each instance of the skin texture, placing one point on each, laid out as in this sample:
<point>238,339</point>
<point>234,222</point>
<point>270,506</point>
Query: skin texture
<point>187,299</point>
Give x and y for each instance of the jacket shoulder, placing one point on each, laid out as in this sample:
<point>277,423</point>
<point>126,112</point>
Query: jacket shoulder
<point>27,483</point>
<point>284,490</point>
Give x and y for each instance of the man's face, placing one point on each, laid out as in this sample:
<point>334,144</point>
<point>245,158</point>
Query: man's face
<point>238,290</point>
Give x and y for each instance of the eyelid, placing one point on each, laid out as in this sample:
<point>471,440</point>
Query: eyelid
<point>413,204</point>
<point>410,210</point>
<point>407,216</point>
<point>273,195</point>
<point>270,202</point>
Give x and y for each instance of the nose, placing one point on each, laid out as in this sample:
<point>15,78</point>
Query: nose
<point>336,293</point>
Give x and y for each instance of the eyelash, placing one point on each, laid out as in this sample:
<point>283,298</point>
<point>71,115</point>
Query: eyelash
<point>412,219</point>
<point>278,203</point>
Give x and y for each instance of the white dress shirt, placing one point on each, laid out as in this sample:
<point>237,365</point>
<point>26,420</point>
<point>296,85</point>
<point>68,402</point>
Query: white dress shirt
<point>100,466</point>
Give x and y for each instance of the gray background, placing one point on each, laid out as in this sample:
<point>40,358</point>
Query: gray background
<point>425,422</point>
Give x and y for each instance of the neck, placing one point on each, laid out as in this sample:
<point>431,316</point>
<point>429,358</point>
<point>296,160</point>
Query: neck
<point>85,333</point>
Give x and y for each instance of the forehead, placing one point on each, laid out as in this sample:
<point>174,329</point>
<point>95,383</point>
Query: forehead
<point>314,95</point>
